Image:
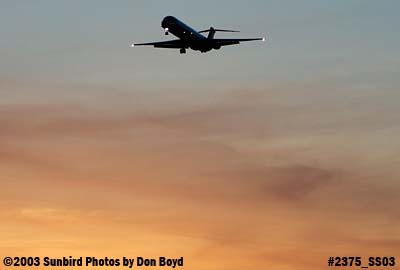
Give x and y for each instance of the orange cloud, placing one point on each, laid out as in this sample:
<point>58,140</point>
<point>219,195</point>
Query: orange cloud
<point>243,182</point>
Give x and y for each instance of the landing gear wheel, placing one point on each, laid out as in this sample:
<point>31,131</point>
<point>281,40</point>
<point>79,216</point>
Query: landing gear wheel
<point>183,51</point>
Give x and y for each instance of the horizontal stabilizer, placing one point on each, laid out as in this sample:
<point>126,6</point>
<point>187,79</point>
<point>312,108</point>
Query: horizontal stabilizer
<point>218,30</point>
<point>212,31</point>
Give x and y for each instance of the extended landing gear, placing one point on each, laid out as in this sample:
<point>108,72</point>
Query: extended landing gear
<point>166,31</point>
<point>182,51</point>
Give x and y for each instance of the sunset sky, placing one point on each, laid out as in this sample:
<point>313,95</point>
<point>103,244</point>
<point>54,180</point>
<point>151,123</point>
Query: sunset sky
<point>271,155</point>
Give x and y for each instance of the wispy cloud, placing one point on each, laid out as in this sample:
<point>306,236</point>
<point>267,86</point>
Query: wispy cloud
<point>239,174</point>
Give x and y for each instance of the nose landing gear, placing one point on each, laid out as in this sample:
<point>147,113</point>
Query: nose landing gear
<point>182,51</point>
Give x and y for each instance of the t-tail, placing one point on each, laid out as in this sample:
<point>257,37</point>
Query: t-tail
<point>212,31</point>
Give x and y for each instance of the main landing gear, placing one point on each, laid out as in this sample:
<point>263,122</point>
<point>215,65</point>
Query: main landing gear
<point>182,51</point>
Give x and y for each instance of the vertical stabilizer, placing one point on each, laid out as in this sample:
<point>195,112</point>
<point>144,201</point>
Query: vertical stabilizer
<point>211,33</point>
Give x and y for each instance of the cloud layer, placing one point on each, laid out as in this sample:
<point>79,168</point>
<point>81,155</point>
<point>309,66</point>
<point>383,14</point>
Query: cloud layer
<point>246,179</point>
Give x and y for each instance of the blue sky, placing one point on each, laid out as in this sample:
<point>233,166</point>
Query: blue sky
<point>80,41</point>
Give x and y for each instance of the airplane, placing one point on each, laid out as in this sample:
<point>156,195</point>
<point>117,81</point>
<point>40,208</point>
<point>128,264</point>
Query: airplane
<point>190,38</point>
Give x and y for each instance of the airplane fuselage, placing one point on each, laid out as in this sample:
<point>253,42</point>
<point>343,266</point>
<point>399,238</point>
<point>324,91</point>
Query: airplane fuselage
<point>192,39</point>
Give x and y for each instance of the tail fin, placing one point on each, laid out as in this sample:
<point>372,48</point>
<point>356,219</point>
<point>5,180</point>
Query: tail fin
<point>212,31</point>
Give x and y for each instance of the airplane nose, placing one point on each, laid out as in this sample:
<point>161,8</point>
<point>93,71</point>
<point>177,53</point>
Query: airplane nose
<point>167,21</point>
<point>164,22</point>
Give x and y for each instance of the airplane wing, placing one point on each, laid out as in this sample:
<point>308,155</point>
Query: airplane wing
<point>233,41</point>
<point>171,44</point>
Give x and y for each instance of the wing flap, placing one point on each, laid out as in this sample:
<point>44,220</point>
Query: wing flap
<point>233,41</point>
<point>171,44</point>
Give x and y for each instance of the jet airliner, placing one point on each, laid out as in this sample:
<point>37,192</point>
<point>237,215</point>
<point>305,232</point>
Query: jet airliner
<point>190,38</point>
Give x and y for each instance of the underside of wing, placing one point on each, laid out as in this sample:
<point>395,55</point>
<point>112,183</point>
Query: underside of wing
<point>171,44</point>
<point>233,41</point>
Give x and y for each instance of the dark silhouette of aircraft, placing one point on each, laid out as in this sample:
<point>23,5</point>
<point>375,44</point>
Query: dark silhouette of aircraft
<point>190,38</point>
